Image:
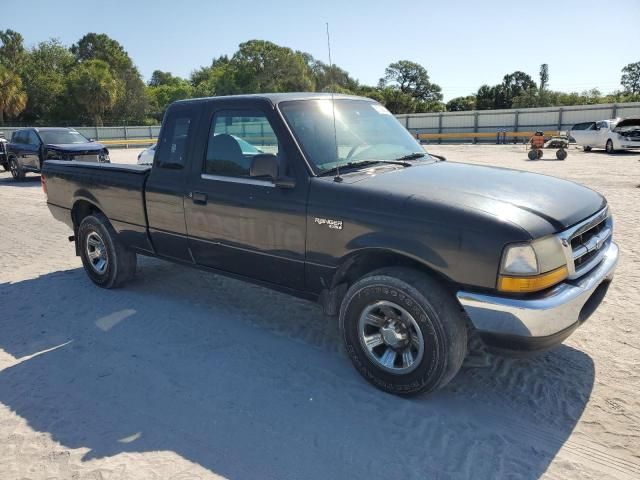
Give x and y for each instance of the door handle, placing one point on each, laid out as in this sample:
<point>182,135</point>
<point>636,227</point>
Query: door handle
<point>198,198</point>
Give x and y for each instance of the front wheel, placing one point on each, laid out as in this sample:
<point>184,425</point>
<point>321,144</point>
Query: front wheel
<point>403,331</point>
<point>106,260</point>
<point>17,172</point>
<point>609,147</point>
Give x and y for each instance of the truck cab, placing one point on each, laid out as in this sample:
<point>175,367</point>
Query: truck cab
<point>238,211</point>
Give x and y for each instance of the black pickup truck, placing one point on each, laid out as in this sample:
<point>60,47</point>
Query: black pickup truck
<point>31,147</point>
<point>337,203</point>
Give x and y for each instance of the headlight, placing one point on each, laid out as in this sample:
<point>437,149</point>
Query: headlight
<point>530,267</point>
<point>520,260</point>
<point>53,155</point>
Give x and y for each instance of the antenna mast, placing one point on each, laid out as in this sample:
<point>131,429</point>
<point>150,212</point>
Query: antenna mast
<point>337,178</point>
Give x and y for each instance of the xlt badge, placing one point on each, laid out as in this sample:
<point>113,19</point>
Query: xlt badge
<point>335,224</point>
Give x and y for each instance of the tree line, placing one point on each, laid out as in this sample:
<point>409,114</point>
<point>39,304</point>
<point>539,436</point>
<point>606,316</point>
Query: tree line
<point>95,81</point>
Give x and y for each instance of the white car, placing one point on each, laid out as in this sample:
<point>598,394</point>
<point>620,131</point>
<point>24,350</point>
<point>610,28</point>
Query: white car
<point>145,157</point>
<point>611,135</point>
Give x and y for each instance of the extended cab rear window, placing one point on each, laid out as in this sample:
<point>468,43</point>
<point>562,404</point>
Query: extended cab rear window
<point>174,140</point>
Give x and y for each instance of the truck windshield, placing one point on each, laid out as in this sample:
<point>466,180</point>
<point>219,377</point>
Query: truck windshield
<point>61,137</point>
<point>364,131</point>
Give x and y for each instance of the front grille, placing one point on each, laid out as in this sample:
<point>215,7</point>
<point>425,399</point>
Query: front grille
<point>589,243</point>
<point>578,262</point>
<point>585,236</point>
<point>86,158</point>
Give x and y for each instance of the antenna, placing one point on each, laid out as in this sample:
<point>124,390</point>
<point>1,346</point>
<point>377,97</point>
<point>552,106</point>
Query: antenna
<point>337,178</point>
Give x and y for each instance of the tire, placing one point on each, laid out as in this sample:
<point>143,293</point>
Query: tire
<point>17,172</point>
<point>609,147</point>
<point>532,155</point>
<point>539,153</point>
<point>586,149</point>
<point>106,260</point>
<point>416,319</point>
<point>561,154</point>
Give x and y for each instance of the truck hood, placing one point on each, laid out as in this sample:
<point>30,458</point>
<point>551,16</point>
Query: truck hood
<point>539,204</point>
<point>76,147</point>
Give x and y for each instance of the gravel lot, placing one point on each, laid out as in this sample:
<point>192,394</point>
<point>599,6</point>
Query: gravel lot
<point>188,375</point>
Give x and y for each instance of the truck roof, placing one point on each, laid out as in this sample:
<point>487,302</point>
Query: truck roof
<point>276,98</point>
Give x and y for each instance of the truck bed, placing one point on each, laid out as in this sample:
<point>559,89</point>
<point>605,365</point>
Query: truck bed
<point>116,189</point>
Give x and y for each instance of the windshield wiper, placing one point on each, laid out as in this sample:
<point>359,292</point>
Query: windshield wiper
<point>363,163</point>
<point>412,156</point>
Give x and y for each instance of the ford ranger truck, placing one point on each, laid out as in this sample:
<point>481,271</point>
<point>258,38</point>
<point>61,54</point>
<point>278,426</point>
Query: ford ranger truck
<point>337,203</point>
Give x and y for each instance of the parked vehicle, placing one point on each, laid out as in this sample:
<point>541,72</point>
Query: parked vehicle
<point>344,207</point>
<point>612,135</point>
<point>30,147</point>
<point>145,157</point>
<point>4,162</point>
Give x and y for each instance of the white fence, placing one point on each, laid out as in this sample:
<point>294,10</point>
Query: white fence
<point>476,121</point>
<point>516,120</point>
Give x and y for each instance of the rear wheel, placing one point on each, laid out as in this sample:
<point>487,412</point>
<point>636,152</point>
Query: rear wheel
<point>106,260</point>
<point>539,153</point>
<point>561,154</point>
<point>17,172</point>
<point>609,146</point>
<point>403,331</point>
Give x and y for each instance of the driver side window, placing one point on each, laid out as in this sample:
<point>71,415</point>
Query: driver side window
<point>235,137</point>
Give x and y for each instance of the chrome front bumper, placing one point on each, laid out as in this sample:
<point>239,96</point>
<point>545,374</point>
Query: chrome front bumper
<point>540,321</point>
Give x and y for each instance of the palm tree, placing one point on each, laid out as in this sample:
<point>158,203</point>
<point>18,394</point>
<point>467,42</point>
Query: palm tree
<point>13,98</point>
<point>94,88</point>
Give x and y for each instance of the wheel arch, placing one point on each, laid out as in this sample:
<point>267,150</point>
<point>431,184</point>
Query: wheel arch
<point>83,207</point>
<point>356,265</point>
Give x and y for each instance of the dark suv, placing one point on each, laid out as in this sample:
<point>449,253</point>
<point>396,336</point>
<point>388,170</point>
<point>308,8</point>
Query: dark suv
<point>29,147</point>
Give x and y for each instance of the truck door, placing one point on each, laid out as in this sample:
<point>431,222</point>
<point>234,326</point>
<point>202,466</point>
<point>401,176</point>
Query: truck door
<point>242,224</point>
<point>166,185</point>
<point>31,152</point>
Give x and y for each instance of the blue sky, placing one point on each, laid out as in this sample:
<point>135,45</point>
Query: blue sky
<point>463,44</point>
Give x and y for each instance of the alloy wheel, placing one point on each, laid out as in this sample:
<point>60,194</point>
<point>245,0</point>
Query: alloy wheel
<point>97,253</point>
<point>391,337</point>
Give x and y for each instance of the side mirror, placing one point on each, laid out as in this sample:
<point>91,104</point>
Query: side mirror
<point>266,165</point>
<point>91,139</point>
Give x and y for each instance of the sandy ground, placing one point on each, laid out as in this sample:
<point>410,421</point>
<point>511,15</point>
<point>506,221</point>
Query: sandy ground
<point>188,375</point>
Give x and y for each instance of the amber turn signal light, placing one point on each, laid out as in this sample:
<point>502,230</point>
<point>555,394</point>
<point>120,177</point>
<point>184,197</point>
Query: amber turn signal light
<point>534,283</point>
